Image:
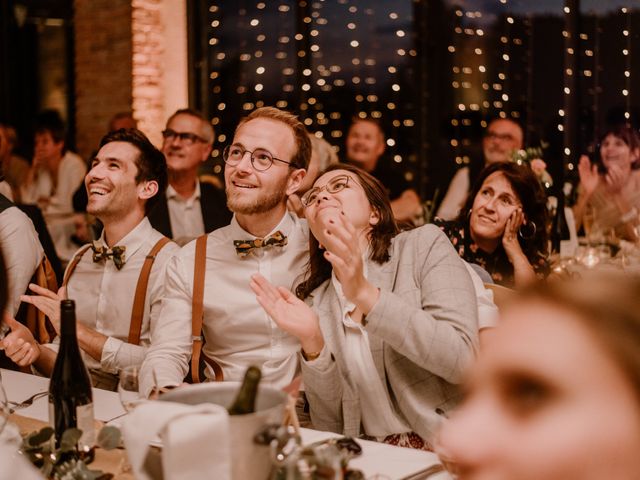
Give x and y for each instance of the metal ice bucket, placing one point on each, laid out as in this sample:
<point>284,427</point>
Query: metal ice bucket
<point>249,461</point>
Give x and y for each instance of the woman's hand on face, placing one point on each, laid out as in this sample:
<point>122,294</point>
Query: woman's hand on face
<point>510,241</point>
<point>342,250</point>
<point>290,313</point>
<point>589,176</point>
<point>615,179</point>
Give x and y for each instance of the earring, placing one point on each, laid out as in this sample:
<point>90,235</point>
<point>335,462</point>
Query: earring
<point>526,235</point>
<point>469,214</point>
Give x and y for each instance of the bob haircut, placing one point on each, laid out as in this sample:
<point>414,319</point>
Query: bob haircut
<point>628,135</point>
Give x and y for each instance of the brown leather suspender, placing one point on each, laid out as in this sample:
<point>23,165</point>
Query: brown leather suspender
<point>137,311</point>
<point>197,314</point>
<point>74,263</point>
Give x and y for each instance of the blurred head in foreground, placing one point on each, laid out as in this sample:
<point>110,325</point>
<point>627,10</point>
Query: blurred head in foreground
<point>556,392</point>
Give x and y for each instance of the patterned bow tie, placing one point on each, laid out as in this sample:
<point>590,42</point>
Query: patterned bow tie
<point>245,247</point>
<point>103,253</point>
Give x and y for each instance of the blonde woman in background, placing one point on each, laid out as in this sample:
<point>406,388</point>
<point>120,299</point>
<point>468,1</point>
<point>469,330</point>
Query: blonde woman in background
<point>322,155</point>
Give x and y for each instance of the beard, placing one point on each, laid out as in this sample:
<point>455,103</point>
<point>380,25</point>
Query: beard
<point>263,203</point>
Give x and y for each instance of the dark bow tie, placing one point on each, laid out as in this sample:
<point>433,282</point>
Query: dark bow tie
<point>103,253</point>
<point>245,247</point>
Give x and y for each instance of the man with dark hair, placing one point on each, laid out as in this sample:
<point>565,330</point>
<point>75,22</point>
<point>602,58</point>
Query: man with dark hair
<point>365,145</point>
<point>54,176</point>
<point>106,278</point>
<point>502,137</point>
<point>265,163</point>
<point>190,207</point>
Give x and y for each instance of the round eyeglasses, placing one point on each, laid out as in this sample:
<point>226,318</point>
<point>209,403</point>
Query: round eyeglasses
<point>261,159</point>
<point>335,185</point>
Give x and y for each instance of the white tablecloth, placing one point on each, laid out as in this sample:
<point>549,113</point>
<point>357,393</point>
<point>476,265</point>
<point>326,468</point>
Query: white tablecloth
<point>377,459</point>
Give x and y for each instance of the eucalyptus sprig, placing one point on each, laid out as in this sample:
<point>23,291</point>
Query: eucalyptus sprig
<point>67,462</point>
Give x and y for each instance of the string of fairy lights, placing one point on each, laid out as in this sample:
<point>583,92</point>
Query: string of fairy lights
<point>330,59</point>
<point>324,60</point>
<point>480,83</point>
<point>626,52</point>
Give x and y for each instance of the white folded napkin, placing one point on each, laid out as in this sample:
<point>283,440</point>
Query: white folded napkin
<point>195,440</point>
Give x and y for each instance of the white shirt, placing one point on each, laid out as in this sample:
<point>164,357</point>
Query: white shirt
<point>488,314</point>
<point>378,417</point>
<point>71,174</point>
<point>59,208</point>
<point>238,333</point>
<point>22,253</point>
<point>456,195</point>
<point>104,296</point>
<point>185,215</point>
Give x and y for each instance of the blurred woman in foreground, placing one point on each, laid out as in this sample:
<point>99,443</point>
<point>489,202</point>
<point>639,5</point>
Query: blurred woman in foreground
<point>393,323</point>
<point>502,227</point>
<point>556,393</point>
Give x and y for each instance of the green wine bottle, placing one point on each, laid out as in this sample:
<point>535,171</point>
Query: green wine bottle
<point>245,401</point>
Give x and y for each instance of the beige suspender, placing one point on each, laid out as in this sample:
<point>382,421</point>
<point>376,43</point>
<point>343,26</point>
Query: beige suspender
<point>137,312</point>
<point>197,314</point>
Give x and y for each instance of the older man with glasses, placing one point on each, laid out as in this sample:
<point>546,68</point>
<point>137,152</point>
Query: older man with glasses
<point>502,137</point>
<point>190,207</point>
<point>265,163</point>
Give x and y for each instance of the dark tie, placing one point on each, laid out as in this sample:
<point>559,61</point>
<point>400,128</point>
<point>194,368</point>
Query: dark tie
<point>104,253</point>
<point>245,247</point>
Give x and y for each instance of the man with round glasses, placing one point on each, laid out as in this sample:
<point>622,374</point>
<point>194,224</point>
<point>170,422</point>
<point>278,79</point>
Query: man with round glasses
<point>190,207</point>
<point>264,164</point>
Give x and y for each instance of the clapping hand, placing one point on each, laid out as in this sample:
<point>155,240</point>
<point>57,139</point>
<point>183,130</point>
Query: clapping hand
<point>342,249</point>
<point>589,177</point>
<point>47,302</point>
<point>289,312</point>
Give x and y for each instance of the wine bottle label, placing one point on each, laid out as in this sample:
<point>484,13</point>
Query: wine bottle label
<point>84,417</point>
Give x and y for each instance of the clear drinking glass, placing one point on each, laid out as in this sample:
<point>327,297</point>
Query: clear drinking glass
<point>128,388</point>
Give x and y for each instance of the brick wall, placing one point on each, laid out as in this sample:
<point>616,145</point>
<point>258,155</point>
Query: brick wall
<point>103,67</point>
<point>125,51</point>
<point>148,69</point>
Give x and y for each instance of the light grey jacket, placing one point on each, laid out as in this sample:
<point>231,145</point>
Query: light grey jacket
<point>422,333</point>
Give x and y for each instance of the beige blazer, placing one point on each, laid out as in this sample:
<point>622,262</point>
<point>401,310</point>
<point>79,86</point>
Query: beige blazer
<point>422,333</point>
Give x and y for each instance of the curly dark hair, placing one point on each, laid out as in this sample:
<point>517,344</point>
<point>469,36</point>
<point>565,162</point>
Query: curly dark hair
<point>319,269</point>
<point>532,196</point>
<point>152,166</point>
